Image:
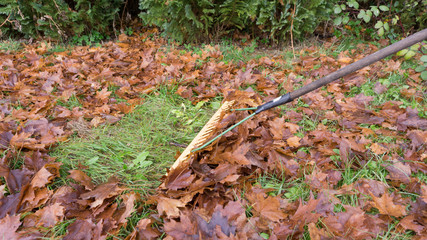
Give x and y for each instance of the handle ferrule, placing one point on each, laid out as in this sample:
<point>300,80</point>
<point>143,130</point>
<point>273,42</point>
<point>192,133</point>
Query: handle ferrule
<point>274,103</point>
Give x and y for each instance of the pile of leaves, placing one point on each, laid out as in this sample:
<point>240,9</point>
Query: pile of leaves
<point>213,196</point>
<point>47,96</point>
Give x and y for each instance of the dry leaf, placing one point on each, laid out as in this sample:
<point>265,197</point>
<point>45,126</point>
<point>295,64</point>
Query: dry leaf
<point>378,149</point>
<point>386,206</point>
<point>169,206</point>
<point>294,141</point>
<point>8,226</point>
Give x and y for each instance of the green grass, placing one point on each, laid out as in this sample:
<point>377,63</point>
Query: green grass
<point>10,46</point>
<point>132,222</point>
<point>233,53</point>
<point>71,103</point>
<point>293,190</point>
<point>394,83</point>
<point>139,148</point>
<point>58,230</point>
<point>371,166</point>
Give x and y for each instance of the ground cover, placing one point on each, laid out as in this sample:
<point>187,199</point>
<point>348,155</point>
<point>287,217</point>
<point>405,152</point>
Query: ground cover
<point>347,161</point>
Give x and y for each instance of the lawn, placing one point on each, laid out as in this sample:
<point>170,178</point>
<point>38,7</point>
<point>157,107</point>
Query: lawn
<point>88,134</point>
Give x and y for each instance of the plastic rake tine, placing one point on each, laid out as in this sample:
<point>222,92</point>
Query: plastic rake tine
<point>226,131</point>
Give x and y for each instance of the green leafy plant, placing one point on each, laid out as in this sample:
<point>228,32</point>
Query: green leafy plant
<point>347,12</point>
<point>57,18</point>
<point>128,31</point>
<point>387,18</point>
<point>83,40</point>
<point>190,20</point>
<point>423,67</point>
<point>411,52</point>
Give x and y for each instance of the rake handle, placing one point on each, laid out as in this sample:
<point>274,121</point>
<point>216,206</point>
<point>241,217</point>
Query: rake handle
<point>368,60</point>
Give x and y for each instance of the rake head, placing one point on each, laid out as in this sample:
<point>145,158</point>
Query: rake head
<point>204,134</point>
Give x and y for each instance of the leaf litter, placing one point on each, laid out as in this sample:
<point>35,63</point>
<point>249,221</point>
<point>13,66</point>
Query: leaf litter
<point>215,195</point>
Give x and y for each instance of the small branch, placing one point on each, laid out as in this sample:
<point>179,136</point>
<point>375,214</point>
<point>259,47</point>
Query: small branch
<point>56,5</point>
<point>1,25</point>
<point>123,15</point>
<point>292,29</point>
<point>401,26</point>
<point>177,144</point>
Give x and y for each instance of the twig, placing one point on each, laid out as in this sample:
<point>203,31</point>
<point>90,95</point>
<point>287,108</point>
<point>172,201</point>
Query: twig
<point>292,29</point>
<point>54,23</point>
<point>177,144</point>
<point>401,26</point>
<point>123,15</point>
<point>56,5</point>
<point>6,20</point>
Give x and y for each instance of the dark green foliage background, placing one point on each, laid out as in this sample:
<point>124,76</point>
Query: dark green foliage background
<point>57,18</point>
<point>196,20</point>
<point>188,20</point>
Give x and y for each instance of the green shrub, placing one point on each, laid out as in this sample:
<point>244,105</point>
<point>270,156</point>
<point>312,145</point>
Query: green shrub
<point>88,21</point>
<point>189,20</point>
<point>380,18</point>
<point>57,18</point>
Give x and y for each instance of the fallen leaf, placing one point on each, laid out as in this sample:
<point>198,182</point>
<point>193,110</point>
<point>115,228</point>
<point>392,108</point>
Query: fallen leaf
<point>8,226</point>
<point>41,178</point>
<point>379,88</point>
<point>345,60</point>
<point>315,233</point>
<point>144,230</point>
<point>386,206</point>
<point>206,229</point>
<point>50,215</point>
<point>378,149</point>
<point>424,192</point>
<point>409,222</point>
<point>294,141</point>
<point>184,229</point>
<point>268,207</point>
<point>169,206</point>
<point>81,177</point>
<point>399,172</point>
<point>127,209</point>
<point>292,127</point>
<point>179,178</point>
<point>84,229</point>
<point>101,192</point>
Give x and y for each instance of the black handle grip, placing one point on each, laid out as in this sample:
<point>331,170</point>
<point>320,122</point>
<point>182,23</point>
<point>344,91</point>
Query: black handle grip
<point>274,103</point>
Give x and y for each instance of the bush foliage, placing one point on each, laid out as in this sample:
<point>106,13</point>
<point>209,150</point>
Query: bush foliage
<point>187,20</point>
<point>380,18</point>
<point>57,18</point>
<point>206,20</point>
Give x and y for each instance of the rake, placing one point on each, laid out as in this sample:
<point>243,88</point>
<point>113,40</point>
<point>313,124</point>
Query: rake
<point>199,142</point>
